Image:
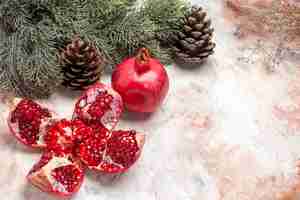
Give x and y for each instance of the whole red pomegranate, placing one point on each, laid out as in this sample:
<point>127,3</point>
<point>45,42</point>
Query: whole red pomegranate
<point>57,172</point>
<point>99,104</point>
<point>142,82</point>
<point>28,122</point>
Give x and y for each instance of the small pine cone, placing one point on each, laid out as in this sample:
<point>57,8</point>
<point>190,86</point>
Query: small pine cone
<point>82,64</point>
<point>193,44</point>
<point>8,24</point>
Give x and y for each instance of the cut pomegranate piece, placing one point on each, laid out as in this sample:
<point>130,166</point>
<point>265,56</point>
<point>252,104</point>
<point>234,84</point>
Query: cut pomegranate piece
<point>57,173</point>
<point>123,150</point>
<point>99,104</point>
<point>65,135</point>
<point>113,154</point>
<point>28,121</point>
<point>60,137</point>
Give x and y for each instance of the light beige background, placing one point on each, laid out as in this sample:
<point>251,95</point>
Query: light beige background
<point>228,130</point>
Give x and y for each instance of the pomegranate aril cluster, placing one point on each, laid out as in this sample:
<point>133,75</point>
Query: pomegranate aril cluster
<point>122,148</point>
<point>102,103</point>
<point>69,175</point>
<point>70,146</point>
<point>91,150</point>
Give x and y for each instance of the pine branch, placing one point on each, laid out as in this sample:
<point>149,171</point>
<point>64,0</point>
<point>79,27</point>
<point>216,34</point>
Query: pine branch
<point>32,32</point>
<point>27,59</point>
<point>9,77</point>
<point>159,52</point>
<point>8,81</point>
<point>40,69</point>
<point>128,34</point>
<point>98,15</point>
<point>144,27</point>
<point>166,15</point>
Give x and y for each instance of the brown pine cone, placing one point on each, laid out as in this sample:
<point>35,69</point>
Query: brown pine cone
<point>193,44</point>
<point>82,64</point>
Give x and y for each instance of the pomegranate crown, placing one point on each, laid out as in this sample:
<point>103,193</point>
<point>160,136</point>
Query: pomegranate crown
<point>142,60</point>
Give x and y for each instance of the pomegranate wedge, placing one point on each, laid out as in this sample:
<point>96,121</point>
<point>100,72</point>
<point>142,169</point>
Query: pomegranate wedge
<point>101,105</point>
<point>28,122</point>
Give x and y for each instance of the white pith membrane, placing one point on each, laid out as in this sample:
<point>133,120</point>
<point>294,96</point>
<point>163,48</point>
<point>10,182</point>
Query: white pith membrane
<point>68,131</point>
<point>107,159</point>
<point>43,130</point>
<point>43,177</point>
<point>110,118</point>
<point>15,102</point>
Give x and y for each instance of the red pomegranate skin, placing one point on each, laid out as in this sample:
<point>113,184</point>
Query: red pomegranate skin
<point>142,82</point>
